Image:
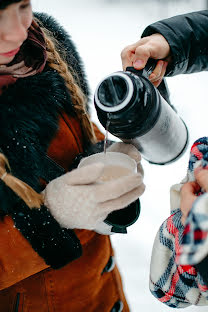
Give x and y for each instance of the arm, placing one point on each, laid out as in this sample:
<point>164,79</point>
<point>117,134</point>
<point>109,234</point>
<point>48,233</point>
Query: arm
<point>179,43</point>
<point>187,37</point>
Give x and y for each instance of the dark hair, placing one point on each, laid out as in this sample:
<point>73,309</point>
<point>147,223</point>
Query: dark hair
<point>5,3</point>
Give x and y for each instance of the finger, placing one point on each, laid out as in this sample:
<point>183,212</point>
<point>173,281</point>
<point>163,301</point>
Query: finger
<point>157,72</point>
<point>123,201</point>
<point>84,175</point>
<point>116,188</point>
<point>142,54</point>
<point>127,57</point>
<point>157,82</point>
<point>128,53</point>
<point>165,64</point>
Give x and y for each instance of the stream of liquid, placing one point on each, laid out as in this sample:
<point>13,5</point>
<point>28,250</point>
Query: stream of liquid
<point>106,135</point>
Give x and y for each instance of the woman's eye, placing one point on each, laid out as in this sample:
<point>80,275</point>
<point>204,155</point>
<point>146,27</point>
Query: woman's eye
<point>25,5</point>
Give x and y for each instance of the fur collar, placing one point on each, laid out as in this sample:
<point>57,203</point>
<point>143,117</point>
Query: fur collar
<point>28,121</point>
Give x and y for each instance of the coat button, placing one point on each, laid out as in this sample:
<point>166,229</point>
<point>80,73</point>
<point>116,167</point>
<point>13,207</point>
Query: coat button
<point>118,306</point>
<point>110,265</point>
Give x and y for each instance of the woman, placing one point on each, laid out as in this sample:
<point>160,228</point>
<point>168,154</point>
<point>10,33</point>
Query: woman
<point>52,257</point>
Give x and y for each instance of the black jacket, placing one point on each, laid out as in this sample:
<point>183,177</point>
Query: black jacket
<point>187,36</point>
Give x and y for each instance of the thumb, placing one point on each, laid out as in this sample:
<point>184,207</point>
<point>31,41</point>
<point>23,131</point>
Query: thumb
<point>84,175</point>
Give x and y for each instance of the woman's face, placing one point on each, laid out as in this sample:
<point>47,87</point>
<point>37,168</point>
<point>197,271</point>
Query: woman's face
<point>15,20</point>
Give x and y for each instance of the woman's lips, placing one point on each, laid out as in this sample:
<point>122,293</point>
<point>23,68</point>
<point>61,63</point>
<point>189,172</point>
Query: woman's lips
<point>10,53</point>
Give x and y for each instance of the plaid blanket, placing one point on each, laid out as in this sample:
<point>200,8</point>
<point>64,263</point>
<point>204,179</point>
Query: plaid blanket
<point>175,281</point>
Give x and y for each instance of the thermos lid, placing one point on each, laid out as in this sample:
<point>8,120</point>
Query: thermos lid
<point>114,92</point>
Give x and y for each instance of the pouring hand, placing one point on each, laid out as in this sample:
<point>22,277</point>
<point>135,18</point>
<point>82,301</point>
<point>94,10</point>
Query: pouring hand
<point>137,55</point>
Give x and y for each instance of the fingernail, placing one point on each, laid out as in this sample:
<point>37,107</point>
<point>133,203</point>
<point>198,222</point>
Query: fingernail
<point>138,63</point>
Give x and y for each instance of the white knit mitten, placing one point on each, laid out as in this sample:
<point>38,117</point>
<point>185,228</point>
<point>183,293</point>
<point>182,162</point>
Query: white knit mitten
<point>78,200</point>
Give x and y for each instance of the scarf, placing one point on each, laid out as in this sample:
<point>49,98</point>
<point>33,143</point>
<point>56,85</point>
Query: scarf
<point>30,59</point>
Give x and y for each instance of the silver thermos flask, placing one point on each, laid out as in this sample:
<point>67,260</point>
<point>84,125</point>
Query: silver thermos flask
<point>136,112</point>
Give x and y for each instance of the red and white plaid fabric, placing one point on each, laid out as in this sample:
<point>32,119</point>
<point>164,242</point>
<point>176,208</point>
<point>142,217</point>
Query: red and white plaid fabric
<point>175,281</point>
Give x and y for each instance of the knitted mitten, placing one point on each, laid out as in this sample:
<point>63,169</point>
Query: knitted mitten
<point>78,200</point>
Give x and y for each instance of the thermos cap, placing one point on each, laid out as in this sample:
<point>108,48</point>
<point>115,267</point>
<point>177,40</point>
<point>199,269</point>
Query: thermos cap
<point>114,92</point>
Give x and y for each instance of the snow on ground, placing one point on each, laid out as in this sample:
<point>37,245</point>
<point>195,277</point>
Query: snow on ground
<point>101,29</point>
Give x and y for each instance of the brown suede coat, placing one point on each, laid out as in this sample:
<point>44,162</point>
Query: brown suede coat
<point>88,284</point>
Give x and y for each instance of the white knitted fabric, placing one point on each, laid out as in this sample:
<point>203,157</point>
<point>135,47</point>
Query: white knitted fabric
<point>78,200</point>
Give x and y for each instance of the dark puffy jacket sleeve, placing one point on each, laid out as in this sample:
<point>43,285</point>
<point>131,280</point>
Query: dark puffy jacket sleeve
<point>187,36</point>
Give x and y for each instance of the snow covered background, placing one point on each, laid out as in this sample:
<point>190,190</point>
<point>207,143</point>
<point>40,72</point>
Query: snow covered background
<point>101,29</point>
